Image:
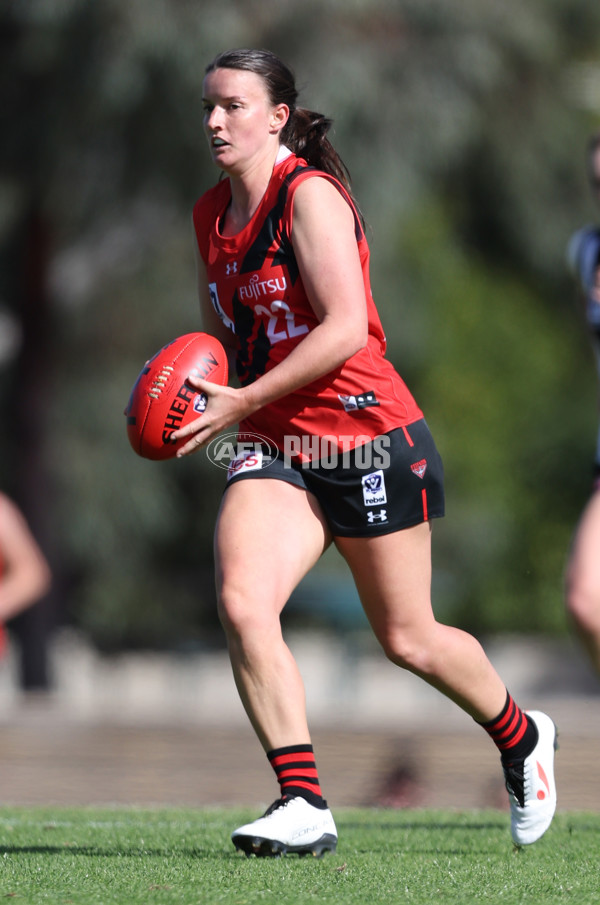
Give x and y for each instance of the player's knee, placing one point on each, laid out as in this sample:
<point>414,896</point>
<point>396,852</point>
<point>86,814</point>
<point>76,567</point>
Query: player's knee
<point>407,652</point>
<point>233,612</point>
<point>241,613</point>
<point>583,604</point>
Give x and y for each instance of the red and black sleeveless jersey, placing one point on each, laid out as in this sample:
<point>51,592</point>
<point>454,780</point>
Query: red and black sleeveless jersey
<point>256,289</point>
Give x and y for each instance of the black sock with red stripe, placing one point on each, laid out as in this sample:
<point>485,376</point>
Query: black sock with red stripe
<point>296,772</point>
<point>513,733</point>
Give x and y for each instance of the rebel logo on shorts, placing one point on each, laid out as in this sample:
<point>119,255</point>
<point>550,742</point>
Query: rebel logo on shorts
<point>373,486</point>
<point>419,468</point>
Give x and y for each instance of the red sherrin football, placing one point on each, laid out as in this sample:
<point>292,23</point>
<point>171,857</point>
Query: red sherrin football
<point>162,401</point>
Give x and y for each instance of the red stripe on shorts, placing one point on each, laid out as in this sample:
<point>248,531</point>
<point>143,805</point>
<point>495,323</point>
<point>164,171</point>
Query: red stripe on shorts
<point>409,439</point>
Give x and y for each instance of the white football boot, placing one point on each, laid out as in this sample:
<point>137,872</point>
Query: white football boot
<point>291,824</point>
<point>530,785</point>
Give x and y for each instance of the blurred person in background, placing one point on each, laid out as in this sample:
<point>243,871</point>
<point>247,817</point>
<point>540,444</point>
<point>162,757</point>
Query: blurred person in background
<point>582,586</point>
<point>24,572</point>
<point>284,284</point>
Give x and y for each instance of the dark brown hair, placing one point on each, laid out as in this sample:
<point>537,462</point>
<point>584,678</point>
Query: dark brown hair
<point>305,132</point>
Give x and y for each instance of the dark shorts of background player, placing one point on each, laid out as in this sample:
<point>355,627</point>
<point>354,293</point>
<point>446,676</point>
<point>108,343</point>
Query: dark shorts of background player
<point>361,501</point>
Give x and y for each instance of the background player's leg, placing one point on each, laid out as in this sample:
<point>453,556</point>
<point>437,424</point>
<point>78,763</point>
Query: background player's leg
<point>583,580</point>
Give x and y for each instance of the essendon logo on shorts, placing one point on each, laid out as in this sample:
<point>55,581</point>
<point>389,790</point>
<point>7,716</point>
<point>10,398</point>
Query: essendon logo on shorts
<point>419,468</point>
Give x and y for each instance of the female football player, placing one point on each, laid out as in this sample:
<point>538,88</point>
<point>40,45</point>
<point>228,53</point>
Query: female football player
<point>583,569</point>
<point>283,268</point>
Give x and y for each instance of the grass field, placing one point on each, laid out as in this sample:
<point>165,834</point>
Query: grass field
<point>162,857</point>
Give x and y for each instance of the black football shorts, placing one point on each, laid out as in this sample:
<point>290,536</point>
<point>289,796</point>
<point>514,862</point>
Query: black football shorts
<point>393,482</point>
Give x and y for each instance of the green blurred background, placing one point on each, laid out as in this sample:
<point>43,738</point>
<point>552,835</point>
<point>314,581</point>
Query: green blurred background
<point>464,127</point>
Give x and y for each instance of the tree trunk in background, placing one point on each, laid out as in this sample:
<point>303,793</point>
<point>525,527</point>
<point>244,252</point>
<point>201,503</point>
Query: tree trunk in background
<point>29,424</point>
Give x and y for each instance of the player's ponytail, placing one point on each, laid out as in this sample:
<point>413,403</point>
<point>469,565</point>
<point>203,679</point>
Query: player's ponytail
<point>305,133</point>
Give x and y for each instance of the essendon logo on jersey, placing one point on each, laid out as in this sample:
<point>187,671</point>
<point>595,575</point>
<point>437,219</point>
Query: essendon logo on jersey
<point>419,468</point>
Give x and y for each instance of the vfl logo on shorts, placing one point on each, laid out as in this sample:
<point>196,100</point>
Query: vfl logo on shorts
<point>373,486</point>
